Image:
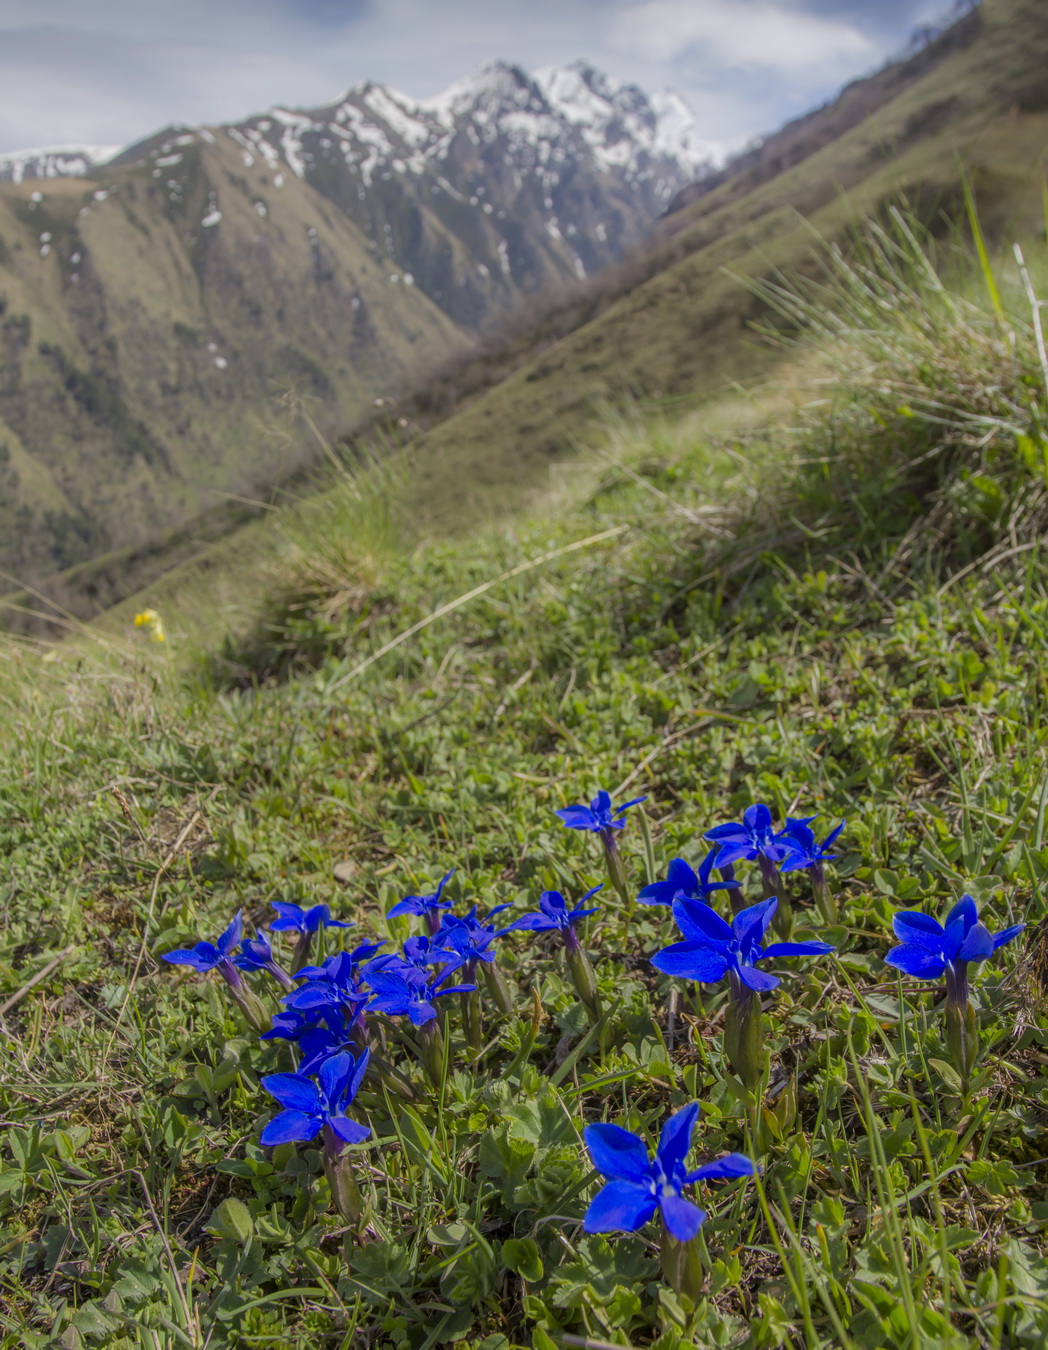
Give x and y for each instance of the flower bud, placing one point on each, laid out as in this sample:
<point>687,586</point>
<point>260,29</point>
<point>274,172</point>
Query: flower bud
<point>743,1035</point>
<point>583,976</point>
<point>681,1265</point>
<point>498,988</point>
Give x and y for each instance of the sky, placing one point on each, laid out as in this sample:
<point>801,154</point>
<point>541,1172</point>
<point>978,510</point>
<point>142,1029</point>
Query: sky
<point>108,72</point>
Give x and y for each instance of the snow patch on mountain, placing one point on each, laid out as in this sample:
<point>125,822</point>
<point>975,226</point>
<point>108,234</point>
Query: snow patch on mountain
<point>53,161</point>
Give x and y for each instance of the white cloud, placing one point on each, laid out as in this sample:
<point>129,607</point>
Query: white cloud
<point>743,34</point>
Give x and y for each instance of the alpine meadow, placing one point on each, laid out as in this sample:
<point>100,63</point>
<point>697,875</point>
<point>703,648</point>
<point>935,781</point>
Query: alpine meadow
<point>568,871</point>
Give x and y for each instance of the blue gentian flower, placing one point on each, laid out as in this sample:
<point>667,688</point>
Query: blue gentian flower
<point>425,906</point>
<point>808,853</point>
<point>713,948</point>
<point>638,1185</point>
<point>599,815</point>
<point>409,993</point>
<point>310,1107</point>
<point>753,839</point>
<point>418,953</point>
<point>218,955</point>
<point>256,954</point>
<point>336,980</point>
<point>930,949</point>
<point>294,919</point>
<point>553,913</point>
<point>466,937</point>
<point>681,880</point>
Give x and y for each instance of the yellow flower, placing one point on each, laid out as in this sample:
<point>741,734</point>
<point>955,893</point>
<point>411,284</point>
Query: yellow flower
<point>150,619</point>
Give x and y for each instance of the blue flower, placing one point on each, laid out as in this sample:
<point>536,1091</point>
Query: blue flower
<point>929,949</point>
<point>466,938</point>
<point>639,1185</point>
<point>309,1106</point>
<point>336,980</point>
<point>713,948</point>
<point>295,919</point>
<point>212,956</point>
<point>808,852</point>
<point>423,904</point>
<point>599,815</point>
<point>254,954</point>
<point>409,993</point>
<point>681,880</point>
<point>753,839</point>
<point>553,913</point>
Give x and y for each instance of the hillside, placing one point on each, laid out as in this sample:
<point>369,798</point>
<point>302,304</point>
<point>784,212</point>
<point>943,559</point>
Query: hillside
<point>154,311</point>
<point>676,325</point>
<point>837,613</point>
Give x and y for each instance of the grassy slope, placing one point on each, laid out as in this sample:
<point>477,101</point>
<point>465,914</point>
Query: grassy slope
<point>984,104</point>
<point>109,362</point>
<point>702,656</point>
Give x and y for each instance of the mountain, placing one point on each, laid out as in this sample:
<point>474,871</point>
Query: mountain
<point>161,312</point>
<point>54,161</point>
<point>675,325</point>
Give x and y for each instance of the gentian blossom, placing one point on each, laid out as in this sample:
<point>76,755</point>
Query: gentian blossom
<point>205,956</point>
<point>599,815</point>
<point>310,1107</point>
<point>639,1185</point>
<point>554,915</point>
<point>753,839</point>
<point>295,919</point>
<point>811,855</point>
<point>336,980</point>
<point>426,906</point>
<point>713,948</point>
<point>256,954</point>
<point>467,937</point>
<point>681,880</point>
<point>930,949</point>
<point>408,993</point>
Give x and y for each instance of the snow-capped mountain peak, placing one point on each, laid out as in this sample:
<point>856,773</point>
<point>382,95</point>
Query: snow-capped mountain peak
<point>53,161</point>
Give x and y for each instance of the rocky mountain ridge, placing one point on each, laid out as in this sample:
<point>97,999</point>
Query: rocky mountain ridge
<point>156,310</point>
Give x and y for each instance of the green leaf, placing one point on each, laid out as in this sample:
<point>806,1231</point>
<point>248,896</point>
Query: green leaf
<point>521,1255</point>
<point>232,1219</point>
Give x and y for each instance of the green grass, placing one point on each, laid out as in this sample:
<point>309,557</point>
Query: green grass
<point>745,634</point>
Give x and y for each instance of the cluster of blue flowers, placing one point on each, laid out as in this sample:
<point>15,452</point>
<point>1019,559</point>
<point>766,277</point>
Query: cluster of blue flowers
<point>335,1012</point>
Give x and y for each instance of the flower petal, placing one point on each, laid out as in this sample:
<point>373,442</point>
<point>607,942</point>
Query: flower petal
<point>915,929</point>
<point>699,923</point>
<point>758,980</point>
<point>1007,934</point>
<point>964,910</point>
<point>334,1075</point>
<point>618,1153</point>
<point>199,959</point>
<point>750,925</point>
<point>293,1090</point>
<point>578,818</point>
<point>728,1168</point>
<point>916,961</point>
<point>349,1130</point>
<point>756,818</point>
<point>290,1127</point>
<point>796,949</point>
<point>675,1140</point>
<point>229,939</point>
<point>692,961</point>
<point>683,1219</point>
<point>977,944</point>
<point>619,1207</point>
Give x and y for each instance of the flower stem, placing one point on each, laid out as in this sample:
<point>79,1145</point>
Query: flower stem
<point>498,989</point>
<point>681,1265</point>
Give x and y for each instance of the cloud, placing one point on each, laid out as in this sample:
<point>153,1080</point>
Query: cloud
<point>745,35</point>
